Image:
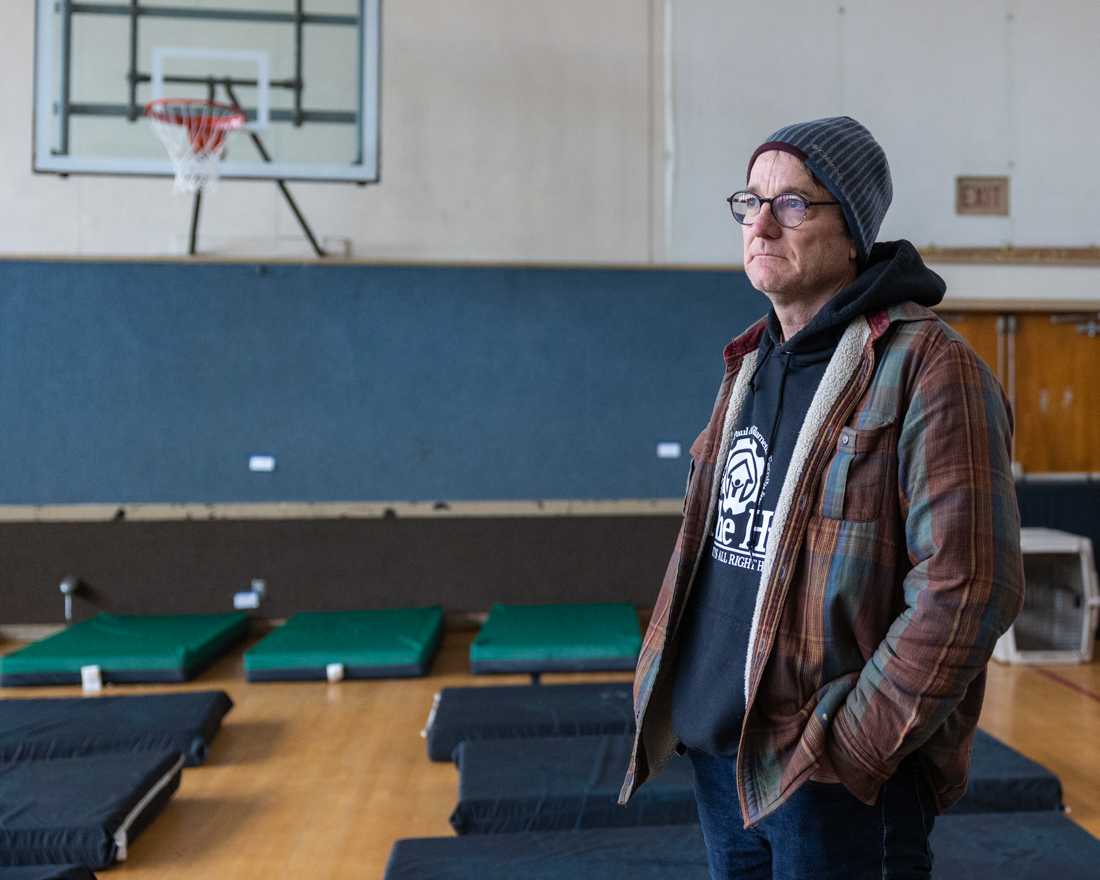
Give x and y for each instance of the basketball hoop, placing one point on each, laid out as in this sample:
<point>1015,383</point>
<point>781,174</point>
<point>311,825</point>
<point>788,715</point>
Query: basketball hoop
<point>194,133</point>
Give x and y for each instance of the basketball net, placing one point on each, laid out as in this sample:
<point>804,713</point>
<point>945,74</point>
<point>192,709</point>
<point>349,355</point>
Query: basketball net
<point>194,133</point>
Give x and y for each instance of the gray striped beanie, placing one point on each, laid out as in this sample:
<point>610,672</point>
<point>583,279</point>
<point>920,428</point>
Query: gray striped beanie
<point>850,164</point>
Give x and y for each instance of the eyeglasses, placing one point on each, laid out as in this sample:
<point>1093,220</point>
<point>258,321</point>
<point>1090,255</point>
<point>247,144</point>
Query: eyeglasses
<point>789,209</point>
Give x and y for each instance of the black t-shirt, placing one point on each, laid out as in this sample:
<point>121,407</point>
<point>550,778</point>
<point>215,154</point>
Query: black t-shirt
<point>708,698</point>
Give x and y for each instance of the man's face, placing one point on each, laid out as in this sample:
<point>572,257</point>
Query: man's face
<point>812,259</point>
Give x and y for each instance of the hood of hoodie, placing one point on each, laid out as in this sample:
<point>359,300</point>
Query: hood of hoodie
<point>894,273</point>
<point>789,371</point>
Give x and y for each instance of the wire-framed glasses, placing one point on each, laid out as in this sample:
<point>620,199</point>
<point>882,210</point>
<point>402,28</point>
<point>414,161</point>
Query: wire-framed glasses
<point>789,209</point>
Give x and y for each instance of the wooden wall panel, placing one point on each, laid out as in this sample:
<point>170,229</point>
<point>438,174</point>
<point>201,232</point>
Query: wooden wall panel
<point>1057,384</point>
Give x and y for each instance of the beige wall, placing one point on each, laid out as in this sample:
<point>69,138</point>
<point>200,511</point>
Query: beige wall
<point>510,131</point>
<point>987,87</point>
<point>571,131</point>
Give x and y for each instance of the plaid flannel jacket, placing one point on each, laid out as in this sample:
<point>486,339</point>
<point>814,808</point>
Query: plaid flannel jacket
<point>893,567</point>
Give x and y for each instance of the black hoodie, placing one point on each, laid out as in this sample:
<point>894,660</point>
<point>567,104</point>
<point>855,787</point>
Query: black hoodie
<point>708,703</point>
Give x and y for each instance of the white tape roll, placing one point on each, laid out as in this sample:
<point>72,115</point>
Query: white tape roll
<point>91,679</point>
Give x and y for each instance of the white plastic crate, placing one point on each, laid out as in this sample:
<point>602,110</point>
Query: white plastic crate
<point>1061,601</point>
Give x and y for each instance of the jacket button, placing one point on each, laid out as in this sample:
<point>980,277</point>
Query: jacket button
<point>844,438</point>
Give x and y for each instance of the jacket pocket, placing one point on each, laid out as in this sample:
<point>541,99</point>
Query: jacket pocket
<point>855,481</point>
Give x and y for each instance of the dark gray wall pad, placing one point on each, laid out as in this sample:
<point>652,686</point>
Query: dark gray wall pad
<point>1020,846</point>
<point>511,711</point>
<point>559,783</point>
<point>69,810</point>
<point>65,727</point>
<point>463,563</point>
<point>421,382</point>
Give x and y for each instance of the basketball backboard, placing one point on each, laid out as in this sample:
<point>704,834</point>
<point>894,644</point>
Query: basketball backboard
<point>306,72</point>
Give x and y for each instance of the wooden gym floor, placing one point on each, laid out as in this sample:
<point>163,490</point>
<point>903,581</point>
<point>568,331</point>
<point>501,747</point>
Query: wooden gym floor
<point>316,780</point>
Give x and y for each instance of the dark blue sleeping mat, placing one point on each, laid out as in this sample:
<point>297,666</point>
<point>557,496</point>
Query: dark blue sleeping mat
<point>562,783</point>
<point>659,853</point>
<point>46,872</point>
<point>1013,846</point>
<point>1002,780</point>
<point>514,711</point>
<point>558,783</point>
<point>65,727</point>
<point>84,811</point>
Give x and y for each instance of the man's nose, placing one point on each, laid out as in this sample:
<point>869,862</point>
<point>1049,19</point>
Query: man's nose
<point>765,223</point>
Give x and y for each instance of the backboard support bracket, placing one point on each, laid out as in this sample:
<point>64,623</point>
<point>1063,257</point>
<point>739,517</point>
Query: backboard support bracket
<point>257,141</point>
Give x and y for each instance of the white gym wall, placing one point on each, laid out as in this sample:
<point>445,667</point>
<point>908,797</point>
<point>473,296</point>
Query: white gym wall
<point>567,131</point>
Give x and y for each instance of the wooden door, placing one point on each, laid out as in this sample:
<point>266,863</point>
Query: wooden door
<point>1056,380</point>
<point>981,330</point>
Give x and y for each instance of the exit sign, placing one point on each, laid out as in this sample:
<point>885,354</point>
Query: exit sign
<point>981,195</point>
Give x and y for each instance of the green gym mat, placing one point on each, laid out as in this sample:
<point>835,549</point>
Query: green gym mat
<point>557,638</point>
<point>383,643</point>
<point>127,648</point>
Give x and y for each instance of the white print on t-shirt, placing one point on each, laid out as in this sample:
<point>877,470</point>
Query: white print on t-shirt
<point>741,528</point>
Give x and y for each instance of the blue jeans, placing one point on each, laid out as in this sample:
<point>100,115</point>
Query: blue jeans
<point>821,832</point>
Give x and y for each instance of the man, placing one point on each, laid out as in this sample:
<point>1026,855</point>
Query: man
<point>850,546</point>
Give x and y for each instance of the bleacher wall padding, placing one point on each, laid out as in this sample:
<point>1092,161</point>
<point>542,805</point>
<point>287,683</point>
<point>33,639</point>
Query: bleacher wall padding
<point>402,386</point>
<point>537,355</point>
